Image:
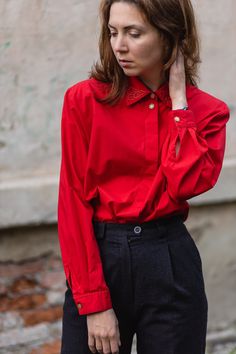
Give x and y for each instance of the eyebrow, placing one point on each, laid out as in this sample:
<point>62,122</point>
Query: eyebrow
<point>129,27</point>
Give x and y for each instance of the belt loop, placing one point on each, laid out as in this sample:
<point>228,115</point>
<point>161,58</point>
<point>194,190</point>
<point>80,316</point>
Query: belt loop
<point>99,229</point>
<point>103,229</point>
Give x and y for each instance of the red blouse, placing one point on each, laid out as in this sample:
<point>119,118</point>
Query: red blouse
<point>119,164</point>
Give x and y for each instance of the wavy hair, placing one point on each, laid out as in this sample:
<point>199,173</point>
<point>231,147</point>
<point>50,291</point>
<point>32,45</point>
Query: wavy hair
<point>175,21</point>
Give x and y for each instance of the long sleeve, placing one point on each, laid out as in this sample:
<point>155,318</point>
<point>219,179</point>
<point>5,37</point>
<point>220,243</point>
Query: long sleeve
<point>79,249</point>
<point>196,166</point>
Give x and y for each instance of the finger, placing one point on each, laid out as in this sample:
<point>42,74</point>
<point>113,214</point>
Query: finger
<point>119,341</point>
<point>177,55</point>
<point>118,336</point>
<point>179,66</point>
<point>106,346</point>
<point>114,344</point>
<point>98,345</point>
<point>179,58</point>
<point>91,344</point>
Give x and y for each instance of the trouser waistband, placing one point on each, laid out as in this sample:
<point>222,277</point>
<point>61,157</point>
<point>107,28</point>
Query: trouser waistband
<point>101,227</point>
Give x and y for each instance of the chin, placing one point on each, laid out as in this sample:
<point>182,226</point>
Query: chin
<point>130,72</point>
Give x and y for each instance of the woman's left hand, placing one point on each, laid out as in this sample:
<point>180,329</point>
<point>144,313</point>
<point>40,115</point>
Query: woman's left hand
<point>177,83</point>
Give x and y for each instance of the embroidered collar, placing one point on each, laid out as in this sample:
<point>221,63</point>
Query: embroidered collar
<point>138,90</point>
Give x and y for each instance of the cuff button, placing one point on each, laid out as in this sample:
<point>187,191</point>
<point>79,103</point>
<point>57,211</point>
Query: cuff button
<point>79,306</point>
<point>177,119</point>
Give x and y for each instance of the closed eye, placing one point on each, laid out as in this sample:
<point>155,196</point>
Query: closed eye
<point>135,35</point>
<point>112,34</point>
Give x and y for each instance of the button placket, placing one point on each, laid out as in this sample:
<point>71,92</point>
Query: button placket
<point>136,233</point>
<point>151,133</point>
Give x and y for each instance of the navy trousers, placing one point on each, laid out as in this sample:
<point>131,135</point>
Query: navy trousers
<point>154,273</point>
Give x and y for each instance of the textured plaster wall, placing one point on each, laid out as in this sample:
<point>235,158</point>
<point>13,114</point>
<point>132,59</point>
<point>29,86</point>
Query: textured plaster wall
<point>46,46</point>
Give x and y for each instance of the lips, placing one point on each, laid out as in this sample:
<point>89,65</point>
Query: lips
<point>124,61</point>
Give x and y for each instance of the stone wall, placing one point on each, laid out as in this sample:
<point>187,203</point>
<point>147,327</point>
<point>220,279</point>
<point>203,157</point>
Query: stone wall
<point>31,303</point>
<point>32,283</point>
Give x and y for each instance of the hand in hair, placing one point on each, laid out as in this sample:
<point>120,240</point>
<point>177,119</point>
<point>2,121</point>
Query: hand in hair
<point>177,82</point>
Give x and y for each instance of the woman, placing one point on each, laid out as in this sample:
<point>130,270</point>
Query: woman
<point>139,139</point>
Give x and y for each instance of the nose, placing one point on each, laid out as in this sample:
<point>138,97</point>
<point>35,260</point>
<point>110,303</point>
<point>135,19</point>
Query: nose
<point>120,44</point>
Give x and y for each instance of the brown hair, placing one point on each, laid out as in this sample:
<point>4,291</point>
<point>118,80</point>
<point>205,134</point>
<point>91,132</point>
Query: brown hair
<point>175,21</point>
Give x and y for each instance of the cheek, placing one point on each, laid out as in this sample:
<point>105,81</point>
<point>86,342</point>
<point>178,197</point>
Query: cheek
<point>149,59</point>
<point>149,52</point>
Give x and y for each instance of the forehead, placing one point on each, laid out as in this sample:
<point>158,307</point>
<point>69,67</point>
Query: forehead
<point>123,14</point>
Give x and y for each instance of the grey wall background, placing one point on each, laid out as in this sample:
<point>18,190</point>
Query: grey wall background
<point>45,47</point>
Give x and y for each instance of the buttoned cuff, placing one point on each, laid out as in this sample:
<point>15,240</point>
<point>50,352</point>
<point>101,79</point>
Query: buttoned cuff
<point>93,302</point>
<point>184,118</point>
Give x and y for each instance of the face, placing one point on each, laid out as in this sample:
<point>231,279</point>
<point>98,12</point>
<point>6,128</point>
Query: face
<point>135,40</point>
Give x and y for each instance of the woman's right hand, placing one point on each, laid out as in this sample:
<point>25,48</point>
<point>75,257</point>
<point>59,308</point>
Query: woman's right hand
<point>103,332</point>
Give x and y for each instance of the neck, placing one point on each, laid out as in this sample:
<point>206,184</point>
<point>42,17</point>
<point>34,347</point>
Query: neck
<point>153,82</point>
